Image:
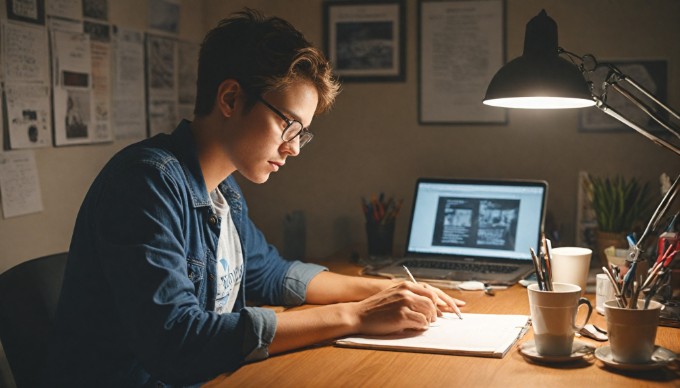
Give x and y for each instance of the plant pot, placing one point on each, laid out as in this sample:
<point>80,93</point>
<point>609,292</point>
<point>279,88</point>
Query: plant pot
<point>604,240</point>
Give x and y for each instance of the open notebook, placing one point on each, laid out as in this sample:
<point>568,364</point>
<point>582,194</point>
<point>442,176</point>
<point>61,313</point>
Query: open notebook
<point>482,335</point>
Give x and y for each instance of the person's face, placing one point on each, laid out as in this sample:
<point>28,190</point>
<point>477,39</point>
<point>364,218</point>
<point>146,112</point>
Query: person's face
<point>257,148</point>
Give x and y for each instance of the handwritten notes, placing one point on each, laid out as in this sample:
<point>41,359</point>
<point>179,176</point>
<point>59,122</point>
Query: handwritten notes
<point>19,184</point>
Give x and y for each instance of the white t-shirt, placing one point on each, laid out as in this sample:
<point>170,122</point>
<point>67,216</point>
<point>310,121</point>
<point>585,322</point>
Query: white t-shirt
<point>229,257</point>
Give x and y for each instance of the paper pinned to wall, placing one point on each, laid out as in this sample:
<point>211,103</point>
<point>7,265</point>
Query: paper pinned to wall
<point>24,53</point>
<point>28,115</point>
<point>70,9</point>
<point>162,83</point>
<point>129,95</point>
<point>19,184</point>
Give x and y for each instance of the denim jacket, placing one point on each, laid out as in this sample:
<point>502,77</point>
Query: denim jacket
<point>136,307</point>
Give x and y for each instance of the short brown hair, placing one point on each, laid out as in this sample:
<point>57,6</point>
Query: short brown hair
<point>262,54</point>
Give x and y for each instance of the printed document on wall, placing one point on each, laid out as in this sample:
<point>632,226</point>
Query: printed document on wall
<point>74,115</point>
<point>69,9</point>
<point>24,53</point>
<point>100,51</point>
<point>19,184</point>
<point>129,96</point>
<point>28,115</point>
<point>161,56</point>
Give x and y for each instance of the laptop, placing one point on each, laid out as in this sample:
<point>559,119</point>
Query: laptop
<point>465,229</point>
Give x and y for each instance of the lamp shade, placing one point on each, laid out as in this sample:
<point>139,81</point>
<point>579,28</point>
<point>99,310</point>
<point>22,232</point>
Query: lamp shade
<point>540,78</point>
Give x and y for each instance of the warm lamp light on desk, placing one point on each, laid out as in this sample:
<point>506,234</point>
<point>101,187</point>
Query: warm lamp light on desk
<point>542,79</point>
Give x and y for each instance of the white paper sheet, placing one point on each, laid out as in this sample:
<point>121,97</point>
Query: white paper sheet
<point>484,335</point>
<point>129,96</point>
<point>24,53</point>
<point>19,184</point>
<point>70,9</point>
<point>162,84</point>
<point>461,50</point>
<point>28,115</point>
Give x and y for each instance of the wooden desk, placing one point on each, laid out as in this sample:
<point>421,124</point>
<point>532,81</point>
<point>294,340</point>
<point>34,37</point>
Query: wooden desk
<point>325,365</point>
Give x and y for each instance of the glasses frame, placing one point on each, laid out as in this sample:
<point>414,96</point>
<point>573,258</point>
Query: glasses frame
<point>305,135</point>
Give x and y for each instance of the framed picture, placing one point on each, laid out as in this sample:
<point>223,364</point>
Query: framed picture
<point>461,46</point>
<point>365,39</point>
<point>31,11</point>
<point>650,74</point>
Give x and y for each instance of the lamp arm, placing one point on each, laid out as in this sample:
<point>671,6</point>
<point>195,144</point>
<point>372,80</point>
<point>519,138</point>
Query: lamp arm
<point>588,63</point>
<point>668,126</point>
<point>600,104</point>
<point>649,95</point>
<point>660,211</point>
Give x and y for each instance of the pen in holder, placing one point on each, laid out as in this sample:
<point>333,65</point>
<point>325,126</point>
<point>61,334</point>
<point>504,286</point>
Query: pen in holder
<point>380,239</point>
<point>380,215</point>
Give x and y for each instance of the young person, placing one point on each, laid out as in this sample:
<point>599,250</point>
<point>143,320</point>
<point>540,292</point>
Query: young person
<point>164,256</point>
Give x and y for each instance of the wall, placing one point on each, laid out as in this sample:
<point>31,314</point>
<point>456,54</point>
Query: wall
<point>371,141</point>
<point>65,173</point>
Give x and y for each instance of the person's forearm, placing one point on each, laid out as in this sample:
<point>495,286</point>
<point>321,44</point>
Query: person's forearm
<point>382,307</point>
<point>329,287</point>
<point>296,329</point>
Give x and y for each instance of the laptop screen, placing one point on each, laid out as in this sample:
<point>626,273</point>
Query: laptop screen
<point>474,218</point>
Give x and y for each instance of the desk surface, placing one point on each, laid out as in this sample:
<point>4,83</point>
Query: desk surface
<point>325,365</point>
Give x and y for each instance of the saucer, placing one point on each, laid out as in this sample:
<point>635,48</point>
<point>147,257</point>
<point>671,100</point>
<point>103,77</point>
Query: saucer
<point>660,357</point>
<point>578,351</point>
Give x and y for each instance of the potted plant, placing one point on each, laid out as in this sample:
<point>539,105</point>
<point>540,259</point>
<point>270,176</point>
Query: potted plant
<point>619,204</point>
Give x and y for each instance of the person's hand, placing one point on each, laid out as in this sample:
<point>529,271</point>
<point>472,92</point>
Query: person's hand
<point>443,301</point>
<point>403,306</point>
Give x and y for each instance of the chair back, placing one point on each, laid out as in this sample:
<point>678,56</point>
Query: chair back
<point>29,293</point>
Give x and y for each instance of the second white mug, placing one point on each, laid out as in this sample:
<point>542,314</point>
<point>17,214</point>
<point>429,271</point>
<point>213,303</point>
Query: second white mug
<point>570,265</point>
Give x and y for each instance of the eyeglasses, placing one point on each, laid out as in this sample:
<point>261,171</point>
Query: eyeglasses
<point>293,128</point>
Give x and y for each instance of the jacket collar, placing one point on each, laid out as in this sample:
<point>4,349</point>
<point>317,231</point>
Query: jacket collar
<point>184,144</point>
<point>187,153</point>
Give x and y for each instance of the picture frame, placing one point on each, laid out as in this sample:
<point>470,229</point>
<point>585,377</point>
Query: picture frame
<point>651,74</point>
<point>365,39</point>
<point>461,45</point>
<point>30,11</point>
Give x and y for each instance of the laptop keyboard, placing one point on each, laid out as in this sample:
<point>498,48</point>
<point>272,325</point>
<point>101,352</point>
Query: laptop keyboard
<point>459,266</point>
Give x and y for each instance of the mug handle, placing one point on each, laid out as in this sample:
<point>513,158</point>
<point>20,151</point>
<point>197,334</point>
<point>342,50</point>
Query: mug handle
<point>590,311</point>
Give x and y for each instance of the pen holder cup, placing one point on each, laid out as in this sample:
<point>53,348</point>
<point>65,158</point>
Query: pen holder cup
<point>632,332</point>
<point>380,241</point>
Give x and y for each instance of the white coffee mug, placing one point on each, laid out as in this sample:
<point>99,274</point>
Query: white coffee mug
<point>570,265</point>
<point>553,317</point>
<point>604,291</point>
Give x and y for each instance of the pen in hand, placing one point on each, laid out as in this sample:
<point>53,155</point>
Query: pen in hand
<point>410,275</point>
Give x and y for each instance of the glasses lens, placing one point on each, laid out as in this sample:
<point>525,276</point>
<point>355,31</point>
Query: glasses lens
<point>291,131</point>
<point>294,130</point>
<point>305,138</point>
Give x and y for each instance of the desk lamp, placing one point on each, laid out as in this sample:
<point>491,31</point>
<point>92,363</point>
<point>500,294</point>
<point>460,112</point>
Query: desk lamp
<point>542,79</point>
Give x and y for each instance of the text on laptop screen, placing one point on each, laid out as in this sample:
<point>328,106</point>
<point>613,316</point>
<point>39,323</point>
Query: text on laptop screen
<point>476,219</point>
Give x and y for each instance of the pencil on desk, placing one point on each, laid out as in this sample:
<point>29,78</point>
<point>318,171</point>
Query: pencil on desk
<point>410,275</point>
